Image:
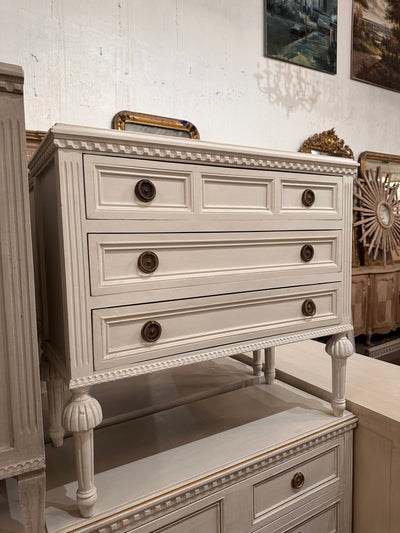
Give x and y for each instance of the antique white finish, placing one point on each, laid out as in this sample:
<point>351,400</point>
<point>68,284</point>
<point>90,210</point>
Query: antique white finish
<point>246,249</point>
<point>21,437</point>
<point>257,457</point>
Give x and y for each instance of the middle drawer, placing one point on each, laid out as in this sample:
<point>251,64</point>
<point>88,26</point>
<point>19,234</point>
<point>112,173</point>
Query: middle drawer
<point>123,263</point>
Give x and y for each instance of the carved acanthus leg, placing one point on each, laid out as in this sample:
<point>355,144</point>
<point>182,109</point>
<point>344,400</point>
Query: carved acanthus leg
<point>31,491</point>
<point>55,398</point>
<point>81,415</point>
<point>269,369</point>
<point>257,362</point>
<point>339,348</point>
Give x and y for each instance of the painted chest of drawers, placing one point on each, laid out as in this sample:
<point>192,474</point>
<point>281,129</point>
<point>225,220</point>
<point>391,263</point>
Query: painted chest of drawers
<point>156,252</point>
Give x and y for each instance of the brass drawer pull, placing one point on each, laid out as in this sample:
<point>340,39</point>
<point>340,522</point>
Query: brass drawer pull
<point>298,480</point>
<point>148,262</point>
<point>308,308</point>
<point>308,197</point>
<point>145,190</point>
<point>151,331</point>
<point>307,253</point>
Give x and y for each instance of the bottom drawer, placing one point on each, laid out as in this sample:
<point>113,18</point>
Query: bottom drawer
<point>120,337</point>
<point>325,521</point>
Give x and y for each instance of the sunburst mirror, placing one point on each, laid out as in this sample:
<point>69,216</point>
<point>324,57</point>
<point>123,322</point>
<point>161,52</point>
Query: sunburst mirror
<point>379,215</point>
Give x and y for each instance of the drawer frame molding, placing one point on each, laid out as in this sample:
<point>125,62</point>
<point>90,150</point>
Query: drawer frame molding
<point>197,357</point>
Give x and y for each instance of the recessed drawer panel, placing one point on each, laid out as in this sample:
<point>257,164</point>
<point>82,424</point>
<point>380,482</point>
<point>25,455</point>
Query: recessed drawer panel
<point>206,520</point>
<point>314,197</point>
<point>235,193</point>
<point>287,486</point>
<point>129,263</point>
<point>324,521</point>
<point>122,188</point>
<point>131,334</point>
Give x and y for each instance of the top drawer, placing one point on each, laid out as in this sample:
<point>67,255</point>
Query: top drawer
<point>122,189</point>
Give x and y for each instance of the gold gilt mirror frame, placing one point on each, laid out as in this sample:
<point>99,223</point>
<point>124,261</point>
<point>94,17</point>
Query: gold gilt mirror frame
<point>378,206</point>
<point>327,143</point>
<point>144,123</point>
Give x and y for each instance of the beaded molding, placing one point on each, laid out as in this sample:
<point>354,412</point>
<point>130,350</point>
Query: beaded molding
<point>22,468</point>
<point>137,515</point>
<point>9,86</point>
<point>122,373</point>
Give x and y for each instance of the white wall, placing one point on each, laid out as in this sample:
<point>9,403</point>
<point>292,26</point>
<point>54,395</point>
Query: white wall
<point>200,60</point>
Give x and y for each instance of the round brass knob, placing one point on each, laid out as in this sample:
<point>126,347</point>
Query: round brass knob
<point>308,308</point>
<point>148,262</point>
<point>308,197</point>
<point>298,480</point>
<point>151,331</point>
<point>307,253</point>
<point>145,190</point>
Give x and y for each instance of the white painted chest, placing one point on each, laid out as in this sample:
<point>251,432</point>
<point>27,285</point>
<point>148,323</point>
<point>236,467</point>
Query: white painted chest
<point>158,252</point>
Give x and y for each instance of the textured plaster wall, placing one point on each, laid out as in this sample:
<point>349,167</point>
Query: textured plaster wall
<point>201,60</point>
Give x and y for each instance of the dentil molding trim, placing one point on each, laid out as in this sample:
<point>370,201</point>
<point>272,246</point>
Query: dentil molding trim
<point>122,373</point>
<point>191,151</point>
<point>22,468</point>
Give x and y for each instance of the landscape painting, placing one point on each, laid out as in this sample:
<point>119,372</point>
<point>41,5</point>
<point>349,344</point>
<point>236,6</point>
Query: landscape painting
<point>376,42</point>
<point>303,32</point>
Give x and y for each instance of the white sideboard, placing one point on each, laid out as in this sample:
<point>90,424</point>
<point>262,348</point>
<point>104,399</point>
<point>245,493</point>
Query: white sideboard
<point>257,459</point>
<point>157,252</point>
<point>21,434</point>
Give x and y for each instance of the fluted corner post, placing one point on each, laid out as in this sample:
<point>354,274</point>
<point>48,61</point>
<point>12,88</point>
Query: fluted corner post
<point>55,399</point>
<point>269,368</point>
<point>81,415</point>
<point>257,362</point>
<point>339,347</point>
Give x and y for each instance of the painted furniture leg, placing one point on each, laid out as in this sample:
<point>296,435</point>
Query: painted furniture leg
<point>55,399</point>
<point>339,348</point>
<point>31,491</point>
<point>81,415</point>
<point>269,368</point>
<point>257,362</point>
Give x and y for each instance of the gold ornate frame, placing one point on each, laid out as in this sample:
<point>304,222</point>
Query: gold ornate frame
<point>155,124</point>
<point>385,169</point>
<point>327,142</point>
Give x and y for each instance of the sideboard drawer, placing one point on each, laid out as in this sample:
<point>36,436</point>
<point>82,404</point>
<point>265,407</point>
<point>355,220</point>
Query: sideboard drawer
<point>286,487</point>
<point>136,262</point>
<point>323,521</point>
<point>199,323</point>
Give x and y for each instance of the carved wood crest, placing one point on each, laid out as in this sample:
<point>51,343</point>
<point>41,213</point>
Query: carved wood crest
<point>327,142</point>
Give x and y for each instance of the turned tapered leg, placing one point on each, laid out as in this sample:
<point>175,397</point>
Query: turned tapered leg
<point>81,415</point>
<point>31,491</point>
<point>257,362</point>
<point>339,348</point>
<point>269,368</point>
<point>55,399</point>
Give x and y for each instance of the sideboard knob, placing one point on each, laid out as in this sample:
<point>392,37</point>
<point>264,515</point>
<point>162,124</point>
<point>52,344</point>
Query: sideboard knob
<point>151,331</point>
<point>309,308</point>
<point>148,262</point>
<point>298,480</point>
<point>308,197</point>
<point>307,253</point>
<point>145,190</point>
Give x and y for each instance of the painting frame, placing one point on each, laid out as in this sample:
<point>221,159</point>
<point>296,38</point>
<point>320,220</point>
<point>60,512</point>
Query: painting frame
<point>372,36</point>
<point>302,35</point>
<point>154,124</point>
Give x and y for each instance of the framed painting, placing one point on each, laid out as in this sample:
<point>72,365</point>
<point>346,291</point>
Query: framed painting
<point>376,43</point>
<point>302,32</point>
<point>144,123</point>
